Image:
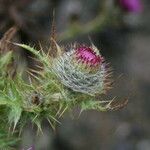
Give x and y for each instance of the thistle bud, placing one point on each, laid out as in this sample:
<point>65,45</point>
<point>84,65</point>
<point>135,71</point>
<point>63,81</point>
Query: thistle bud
<point>82,69</point>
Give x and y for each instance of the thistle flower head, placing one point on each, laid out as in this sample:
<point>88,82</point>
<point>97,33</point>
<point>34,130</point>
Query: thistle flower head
<point>82,69</point>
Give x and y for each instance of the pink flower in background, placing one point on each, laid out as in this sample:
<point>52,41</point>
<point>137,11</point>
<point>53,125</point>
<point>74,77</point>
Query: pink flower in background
<point>31,148</point>
<point>131,5</point>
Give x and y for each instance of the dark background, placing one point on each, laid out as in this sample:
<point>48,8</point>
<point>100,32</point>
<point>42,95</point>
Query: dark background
<point>126,46</point>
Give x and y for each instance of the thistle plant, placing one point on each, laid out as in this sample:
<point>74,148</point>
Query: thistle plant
<point>65,78</point>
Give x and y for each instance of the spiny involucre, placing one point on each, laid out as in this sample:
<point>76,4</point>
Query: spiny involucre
<point>82,68</point>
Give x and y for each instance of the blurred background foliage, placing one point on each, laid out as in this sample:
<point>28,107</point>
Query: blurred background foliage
<point>123,38</point>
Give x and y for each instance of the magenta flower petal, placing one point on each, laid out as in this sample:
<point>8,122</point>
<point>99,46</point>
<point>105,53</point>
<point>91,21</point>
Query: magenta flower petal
<point>88,56</point>
<point>131,5</point>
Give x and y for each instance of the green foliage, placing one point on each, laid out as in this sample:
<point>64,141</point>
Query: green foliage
<point>7,141</point>
<point>5,60</point>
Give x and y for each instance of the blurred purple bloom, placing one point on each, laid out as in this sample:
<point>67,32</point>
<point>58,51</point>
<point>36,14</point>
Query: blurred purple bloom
<point>31,148</point>
<point>131,5</point>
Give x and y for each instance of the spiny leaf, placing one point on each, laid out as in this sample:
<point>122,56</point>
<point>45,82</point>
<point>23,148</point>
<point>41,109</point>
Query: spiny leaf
<point>90,104</point>
<point>116,105</point>
<point>40,54</point>
<point>12,99</point>
<point>7,141</point>
<point>37,120</point>
<point>14,115</point>
<point>5,60</point>
<point>29,48</point>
